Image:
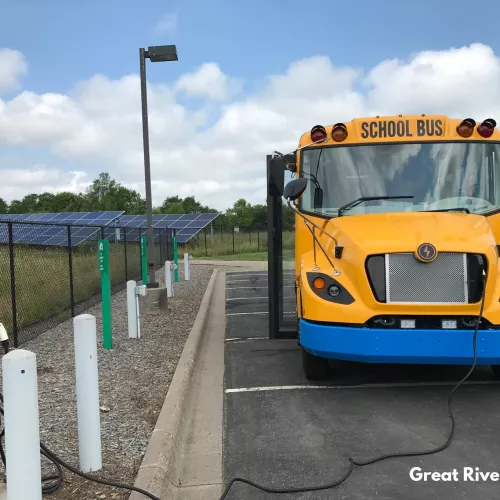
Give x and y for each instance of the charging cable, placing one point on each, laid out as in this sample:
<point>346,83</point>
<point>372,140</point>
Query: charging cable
<point>353,462</point>
<point>59,463</point>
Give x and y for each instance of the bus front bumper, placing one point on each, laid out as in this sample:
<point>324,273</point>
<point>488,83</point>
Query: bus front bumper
<point>450,347</point>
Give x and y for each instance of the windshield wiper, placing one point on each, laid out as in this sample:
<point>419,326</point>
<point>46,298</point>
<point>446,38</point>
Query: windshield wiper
<point>463,209</point>
<point>357,201</point>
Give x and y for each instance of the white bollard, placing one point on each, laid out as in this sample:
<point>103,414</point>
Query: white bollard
<point>168,278</point>
<point>22,431</point>
<point>87,393</point>
<point>133,332</point>
<point>186,267</point>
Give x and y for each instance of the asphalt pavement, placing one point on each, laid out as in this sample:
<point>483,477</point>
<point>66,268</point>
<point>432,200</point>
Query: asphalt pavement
<point>283,431</point>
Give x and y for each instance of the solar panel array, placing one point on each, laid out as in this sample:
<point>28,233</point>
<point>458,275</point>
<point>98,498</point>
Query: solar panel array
<point>187,225</point>
<point>54,230</point>
<point>55,234</point>
<point>73,218</point>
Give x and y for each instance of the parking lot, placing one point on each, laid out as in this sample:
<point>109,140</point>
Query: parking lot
<point>283,431</point>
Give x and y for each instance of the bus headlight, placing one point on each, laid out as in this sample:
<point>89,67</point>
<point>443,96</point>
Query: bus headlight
<point>329,288</point>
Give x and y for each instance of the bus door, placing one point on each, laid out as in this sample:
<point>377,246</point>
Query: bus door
<point>281,255</point>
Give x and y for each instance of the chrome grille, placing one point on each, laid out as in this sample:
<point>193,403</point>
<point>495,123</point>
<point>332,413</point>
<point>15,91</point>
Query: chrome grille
<point>443,281</point>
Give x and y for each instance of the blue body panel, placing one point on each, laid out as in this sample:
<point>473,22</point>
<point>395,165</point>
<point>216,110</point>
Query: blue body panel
<point>447,347</point>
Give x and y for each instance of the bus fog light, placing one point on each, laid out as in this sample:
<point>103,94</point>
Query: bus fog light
<point>407,323</point>
<point>333,291</point>
<point>449,324</point>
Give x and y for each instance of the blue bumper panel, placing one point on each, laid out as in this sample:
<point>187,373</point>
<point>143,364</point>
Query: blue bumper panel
<point>452,347</point>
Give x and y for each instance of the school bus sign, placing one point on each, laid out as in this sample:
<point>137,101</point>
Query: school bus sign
<point>402,129</point>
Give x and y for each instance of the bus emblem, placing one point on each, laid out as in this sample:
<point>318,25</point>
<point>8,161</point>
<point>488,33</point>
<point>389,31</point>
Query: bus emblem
<point>426,252</point>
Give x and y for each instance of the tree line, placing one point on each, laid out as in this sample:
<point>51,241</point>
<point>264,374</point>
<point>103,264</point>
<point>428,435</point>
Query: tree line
<point>106,194</point>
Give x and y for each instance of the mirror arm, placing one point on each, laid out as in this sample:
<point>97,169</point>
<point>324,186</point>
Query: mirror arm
<point>336,272</point>
<point>312,223</point>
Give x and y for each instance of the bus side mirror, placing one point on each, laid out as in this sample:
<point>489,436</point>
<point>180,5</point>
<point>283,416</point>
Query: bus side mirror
<point>295,189</point>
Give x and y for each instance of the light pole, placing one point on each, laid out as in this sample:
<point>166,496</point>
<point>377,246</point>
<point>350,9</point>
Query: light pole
<point>154,54</point>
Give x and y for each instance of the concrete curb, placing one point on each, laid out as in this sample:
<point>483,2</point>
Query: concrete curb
<point>158,467</point>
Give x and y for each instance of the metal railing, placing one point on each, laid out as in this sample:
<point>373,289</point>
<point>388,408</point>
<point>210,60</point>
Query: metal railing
<point>50,273</point>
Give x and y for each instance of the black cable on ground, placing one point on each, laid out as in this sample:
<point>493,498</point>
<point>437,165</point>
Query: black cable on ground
<point>55,480</point>
<point>361,463</point>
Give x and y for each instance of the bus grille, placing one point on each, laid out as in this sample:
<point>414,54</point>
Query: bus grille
<point>443,281</point>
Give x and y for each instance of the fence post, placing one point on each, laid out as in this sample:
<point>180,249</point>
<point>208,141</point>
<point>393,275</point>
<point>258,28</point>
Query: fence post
<point>22,427</point>
<point>258,240</point>
<point>250,234</point>
<point>140,254</point>
<point>233,240</point>
<point>176,259</point>
<point>144,259</point>
<point>87,393</point>
<point>13,285</point>
<point>162,247</point>
<point>205,231</point>
<point>70,264</point>
<point>132,309</point>
<point>125,252</point>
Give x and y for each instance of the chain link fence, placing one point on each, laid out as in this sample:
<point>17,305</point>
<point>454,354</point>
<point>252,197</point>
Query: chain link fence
<point>49,273</point>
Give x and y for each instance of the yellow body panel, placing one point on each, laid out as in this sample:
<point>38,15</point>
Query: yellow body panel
<point>363,235</point>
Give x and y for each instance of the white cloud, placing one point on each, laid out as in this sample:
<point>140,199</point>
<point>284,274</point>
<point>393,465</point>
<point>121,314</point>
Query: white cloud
<point>13,65</point>
<point>210,82</point>
<point>217,150</point>
<point>168,24</point>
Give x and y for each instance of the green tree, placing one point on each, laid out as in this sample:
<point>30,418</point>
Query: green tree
<point>260,215</point>
<point>105,194</point>
<point>70,202</point>
<point>241,214</point>
<point>172,205</point>
<point>46,203</point>
<point>4,208</point>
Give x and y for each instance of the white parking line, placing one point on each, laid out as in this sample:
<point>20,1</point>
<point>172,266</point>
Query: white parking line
<point>244,339</point>
<point>255,312</point>
<point>247,298</point>
<point>360,386</point>
<point>258,280</point>
<point>252,287</point>
<point>257,297</point>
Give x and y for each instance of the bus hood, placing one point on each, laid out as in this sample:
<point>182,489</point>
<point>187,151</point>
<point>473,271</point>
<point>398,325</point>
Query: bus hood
<point>404,232</point>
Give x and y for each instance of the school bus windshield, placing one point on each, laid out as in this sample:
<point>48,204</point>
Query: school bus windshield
<point>439,176</point>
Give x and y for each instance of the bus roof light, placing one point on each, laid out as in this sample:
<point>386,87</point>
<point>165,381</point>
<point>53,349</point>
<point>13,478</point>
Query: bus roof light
<point>339,132</point>
<point>487,128</point>
<point>318,133</point>
<point>466,128</point>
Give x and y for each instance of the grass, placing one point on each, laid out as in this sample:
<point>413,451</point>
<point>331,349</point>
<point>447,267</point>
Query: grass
<point>42,278</point>
<point>225,244</point>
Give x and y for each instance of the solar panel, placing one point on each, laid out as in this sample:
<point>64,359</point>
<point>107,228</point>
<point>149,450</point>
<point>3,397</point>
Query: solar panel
<point>56,234</point>
<point>187,225</point>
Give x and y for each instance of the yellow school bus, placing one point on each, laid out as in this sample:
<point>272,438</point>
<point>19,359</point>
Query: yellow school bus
<point>397,223</point>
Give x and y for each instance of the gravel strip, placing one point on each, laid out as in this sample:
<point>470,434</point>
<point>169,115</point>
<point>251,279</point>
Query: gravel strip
<point>133,379</point>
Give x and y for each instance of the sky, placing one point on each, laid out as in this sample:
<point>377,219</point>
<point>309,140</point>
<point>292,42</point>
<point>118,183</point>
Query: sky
<point>250,79</point>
